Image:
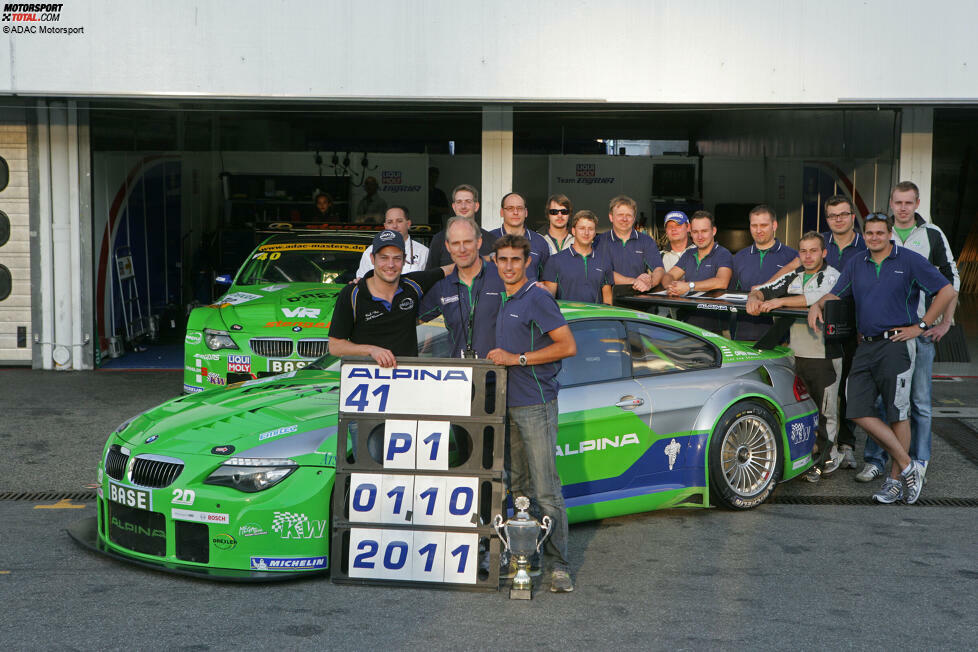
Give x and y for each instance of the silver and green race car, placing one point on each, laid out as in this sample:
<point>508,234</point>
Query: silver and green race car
<point>654,413</point>
<point>275,316</point>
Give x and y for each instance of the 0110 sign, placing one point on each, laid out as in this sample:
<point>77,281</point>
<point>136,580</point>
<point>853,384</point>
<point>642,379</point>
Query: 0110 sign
<point>409,389</point>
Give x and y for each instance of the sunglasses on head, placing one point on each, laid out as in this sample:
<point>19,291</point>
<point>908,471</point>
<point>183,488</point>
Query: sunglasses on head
<point>559,211</point>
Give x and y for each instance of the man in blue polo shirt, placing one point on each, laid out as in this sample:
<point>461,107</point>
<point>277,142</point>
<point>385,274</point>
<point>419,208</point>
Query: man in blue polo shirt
<point>706,267</point>
<point>580,273</point>
<point>470,296</point>
<point>885,284</point>
<point>754,265</point>
<point>533,338</point>
<point>635,257</point>
<point>513,212</point>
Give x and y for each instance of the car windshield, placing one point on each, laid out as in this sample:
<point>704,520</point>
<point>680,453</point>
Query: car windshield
<point>308,262</point>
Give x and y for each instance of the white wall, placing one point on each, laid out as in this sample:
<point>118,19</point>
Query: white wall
<point>15,310</point>
<point>701,51</point>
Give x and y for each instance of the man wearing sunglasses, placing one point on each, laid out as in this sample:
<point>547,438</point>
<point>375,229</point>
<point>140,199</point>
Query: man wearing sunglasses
<point>557,235</point>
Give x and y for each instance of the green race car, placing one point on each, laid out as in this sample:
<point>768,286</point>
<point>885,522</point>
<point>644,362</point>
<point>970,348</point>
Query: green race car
<point>275,316</point>
<point>654,413</point>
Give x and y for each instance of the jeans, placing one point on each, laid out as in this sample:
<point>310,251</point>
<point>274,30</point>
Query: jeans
<point>920,410</point>
<point>533,472</point>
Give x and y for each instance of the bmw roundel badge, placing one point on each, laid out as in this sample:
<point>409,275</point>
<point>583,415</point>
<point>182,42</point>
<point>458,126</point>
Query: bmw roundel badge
<point>296,329</point>
<point>152,438</point>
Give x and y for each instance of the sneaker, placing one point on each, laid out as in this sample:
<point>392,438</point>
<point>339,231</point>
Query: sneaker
<point>890,492</point>
<point>848,459</point>
<point>813,475</point>
<point>835,459</point>
<point>913,482</point>
<point>560,582</point>
<point>508,572</point>
<point>869,473</point>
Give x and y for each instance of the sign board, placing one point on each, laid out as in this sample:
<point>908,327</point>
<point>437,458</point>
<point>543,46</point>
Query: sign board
<point>421,477</point>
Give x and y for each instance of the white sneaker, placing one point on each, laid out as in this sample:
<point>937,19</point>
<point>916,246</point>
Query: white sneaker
<point>890,492</point>
<point>848,459</point>
<point>869,473</point>
<point>813,475</point>
<point>835,459</point>
<point>913,482</point>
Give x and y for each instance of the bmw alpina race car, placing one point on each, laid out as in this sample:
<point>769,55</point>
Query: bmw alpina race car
<point>654,413</point>
<point>275,316</point>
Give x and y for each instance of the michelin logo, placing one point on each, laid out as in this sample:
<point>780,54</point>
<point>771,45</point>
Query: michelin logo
<point>288,563</point>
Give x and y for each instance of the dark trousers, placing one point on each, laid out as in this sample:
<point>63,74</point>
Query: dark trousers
<point>846,426</point>
<point>821,377</point>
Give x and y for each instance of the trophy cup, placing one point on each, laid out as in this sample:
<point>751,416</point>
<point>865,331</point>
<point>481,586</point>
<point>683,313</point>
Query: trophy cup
<point>521,534</point>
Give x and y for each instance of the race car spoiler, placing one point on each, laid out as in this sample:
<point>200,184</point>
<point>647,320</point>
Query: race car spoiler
<point>715,302</point>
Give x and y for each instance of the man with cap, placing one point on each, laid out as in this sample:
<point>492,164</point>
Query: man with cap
<point>376,316</point>
<point>706,266</point>
<point>468,297</point>
<point>677,235</point>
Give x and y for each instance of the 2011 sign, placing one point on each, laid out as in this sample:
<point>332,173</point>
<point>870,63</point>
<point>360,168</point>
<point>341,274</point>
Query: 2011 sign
<point>412,555</point>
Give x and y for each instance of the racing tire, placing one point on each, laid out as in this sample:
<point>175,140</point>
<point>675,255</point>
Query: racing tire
<point>745,456</point>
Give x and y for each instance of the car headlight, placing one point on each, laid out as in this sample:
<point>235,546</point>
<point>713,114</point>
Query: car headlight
<point>251,474</point>
<point>216,340</point>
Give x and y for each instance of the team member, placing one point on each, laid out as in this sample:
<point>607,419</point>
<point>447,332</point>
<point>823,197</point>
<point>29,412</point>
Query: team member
<point>398,219</point>
<point>465,203</point>
<point>370,209</point>
<point>885,284</point>
<point>708,266</point>
<point>559,210</point>
<point>513,211</point>
<point>756,264</point>
<point>470,296</point>
<point>677,238</point>
<point>580,273</point>
<point>533,338</point>
<point>376,316</point>
<point>634,256</point>
<point>817,363</point>
<point>914,233</point>
<point>842,242</point>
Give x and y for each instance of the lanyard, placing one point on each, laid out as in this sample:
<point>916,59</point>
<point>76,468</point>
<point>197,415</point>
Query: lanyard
<point>469,352</point>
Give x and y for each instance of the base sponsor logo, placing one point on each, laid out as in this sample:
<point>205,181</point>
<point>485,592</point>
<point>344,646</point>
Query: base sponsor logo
<point>199,517</point>
<point>130,497</point>
<point>288,563</point>
<point>224,542</point>
<point>278,431</point>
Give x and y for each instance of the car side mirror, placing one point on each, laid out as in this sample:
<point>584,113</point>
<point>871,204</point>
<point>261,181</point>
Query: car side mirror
<point>224,279</point>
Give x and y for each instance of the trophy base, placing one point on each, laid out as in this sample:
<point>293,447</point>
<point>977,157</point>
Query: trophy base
<point>520,594</point>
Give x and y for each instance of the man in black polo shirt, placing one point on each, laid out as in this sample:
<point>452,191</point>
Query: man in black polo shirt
<point>376,317</point>
<point>885,284</point>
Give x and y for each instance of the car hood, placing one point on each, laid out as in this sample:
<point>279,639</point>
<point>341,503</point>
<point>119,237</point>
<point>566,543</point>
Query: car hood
<point>279,306</point>
<point>288,415</point>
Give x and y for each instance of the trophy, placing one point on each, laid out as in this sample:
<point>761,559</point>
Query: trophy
<point>521,534</point>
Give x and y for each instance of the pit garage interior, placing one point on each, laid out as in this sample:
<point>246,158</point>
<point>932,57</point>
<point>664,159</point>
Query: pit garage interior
<point>170,192</point>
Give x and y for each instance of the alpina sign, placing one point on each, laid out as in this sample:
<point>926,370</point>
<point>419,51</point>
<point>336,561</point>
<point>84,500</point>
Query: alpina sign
<point>414,389</point>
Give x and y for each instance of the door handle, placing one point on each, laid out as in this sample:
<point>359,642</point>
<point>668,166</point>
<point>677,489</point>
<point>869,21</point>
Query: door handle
<point>629,402</point>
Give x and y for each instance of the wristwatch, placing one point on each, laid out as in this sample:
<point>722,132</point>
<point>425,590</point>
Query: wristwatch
<point>522,359</point>
<point>922,325</point>
<point>692,286</point>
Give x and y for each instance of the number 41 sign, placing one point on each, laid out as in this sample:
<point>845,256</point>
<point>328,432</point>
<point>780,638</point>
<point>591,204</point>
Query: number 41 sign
<point>409,389</point>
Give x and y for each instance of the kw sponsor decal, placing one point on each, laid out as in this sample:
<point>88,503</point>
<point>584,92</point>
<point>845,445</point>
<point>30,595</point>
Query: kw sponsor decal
<point>599,444</point>
<point>314,246</point>
<point>292,525</point>
<point>799,433</point>
<point>199,517</point>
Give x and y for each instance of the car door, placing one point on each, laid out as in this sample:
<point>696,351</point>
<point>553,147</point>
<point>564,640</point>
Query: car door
<point>604,415</point>
<point>678,372</point>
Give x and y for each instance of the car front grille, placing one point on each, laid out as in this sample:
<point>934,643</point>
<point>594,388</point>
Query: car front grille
<point>312,348</point>
<point>271,347</point>
<point>115,462</point>
<point>156,473</point>
<point>137,529</point>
